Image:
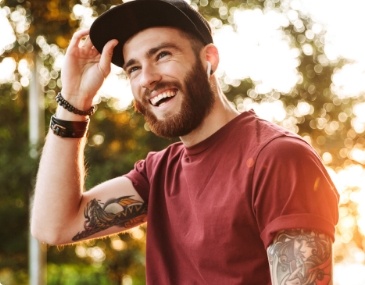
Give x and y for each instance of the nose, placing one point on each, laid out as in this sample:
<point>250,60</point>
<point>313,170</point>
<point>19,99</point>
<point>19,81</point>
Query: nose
<point>149,77</point>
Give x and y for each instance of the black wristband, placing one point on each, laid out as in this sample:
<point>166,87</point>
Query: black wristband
<point>62,102</point>
<point>68,129</point>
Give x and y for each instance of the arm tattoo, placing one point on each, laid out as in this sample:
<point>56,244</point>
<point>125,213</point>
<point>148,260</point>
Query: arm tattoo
<point>123,212</point>
<point>300,257</point>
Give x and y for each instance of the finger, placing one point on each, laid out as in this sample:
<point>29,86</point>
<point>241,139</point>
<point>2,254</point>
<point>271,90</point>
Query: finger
<point>85,42</point>
<point>106,57</point>
<point>78,36</point>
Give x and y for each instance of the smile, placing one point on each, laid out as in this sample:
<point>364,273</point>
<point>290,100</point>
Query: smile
<point>162,97</point>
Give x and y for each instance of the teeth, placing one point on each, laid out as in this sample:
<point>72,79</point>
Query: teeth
<point>156,99</point>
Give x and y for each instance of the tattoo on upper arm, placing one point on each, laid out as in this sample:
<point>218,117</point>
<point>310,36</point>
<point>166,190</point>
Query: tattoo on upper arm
<point>124,212</point>
<point>300,257</point>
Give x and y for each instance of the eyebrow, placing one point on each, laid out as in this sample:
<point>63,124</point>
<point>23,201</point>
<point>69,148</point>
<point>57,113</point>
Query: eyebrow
<point>151,52</point>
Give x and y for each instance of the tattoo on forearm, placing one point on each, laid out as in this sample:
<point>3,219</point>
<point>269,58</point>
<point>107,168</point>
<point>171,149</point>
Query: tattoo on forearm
<point>300,257</point>
<point>124,212</point>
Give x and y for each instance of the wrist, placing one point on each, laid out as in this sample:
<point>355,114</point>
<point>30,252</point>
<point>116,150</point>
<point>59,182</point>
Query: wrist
<point>79,99</point>
<point>64,114</point>
<point>72,109</point>
<point>68,129</point>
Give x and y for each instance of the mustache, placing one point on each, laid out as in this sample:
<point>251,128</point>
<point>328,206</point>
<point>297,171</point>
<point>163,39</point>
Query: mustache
<point>161,85</point>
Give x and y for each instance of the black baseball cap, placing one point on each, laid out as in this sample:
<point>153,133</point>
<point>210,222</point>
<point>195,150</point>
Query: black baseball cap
<point>123,21</point>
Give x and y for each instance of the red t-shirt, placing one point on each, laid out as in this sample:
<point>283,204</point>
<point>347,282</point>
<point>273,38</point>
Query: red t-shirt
<point>214,208</point>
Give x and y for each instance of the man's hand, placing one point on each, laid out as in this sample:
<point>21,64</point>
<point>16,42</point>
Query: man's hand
<point>84,69</point>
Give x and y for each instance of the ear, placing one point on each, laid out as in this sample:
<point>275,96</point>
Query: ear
<point>210,54</point>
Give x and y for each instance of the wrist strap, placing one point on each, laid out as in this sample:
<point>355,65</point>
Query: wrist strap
<point>62,102</point>
<point>68,129</point>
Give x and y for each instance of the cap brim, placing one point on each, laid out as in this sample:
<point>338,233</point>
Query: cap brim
<point>126,20</point>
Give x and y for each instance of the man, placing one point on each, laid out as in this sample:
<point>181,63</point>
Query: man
<point>237,201</point>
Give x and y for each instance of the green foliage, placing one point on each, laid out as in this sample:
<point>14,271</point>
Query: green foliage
<point>76,274</point>
<point>16,176</point>
<point>125,259</point>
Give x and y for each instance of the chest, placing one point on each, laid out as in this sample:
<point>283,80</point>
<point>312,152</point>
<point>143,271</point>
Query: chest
<point>207,199</point>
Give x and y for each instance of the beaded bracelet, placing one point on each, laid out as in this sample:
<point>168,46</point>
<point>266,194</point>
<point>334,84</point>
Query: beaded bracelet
<point>68,129</point>
<point>62,102</point>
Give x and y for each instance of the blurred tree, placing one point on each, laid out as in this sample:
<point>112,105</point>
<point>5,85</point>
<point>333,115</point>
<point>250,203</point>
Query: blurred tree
<point>16,175</point>
<point>118,138</point>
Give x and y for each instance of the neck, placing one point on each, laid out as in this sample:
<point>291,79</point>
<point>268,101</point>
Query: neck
<point>221,113</point>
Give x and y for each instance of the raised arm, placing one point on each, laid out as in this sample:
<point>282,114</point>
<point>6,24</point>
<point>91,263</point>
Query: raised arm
<point>62,212</point>
<point>300,257</point>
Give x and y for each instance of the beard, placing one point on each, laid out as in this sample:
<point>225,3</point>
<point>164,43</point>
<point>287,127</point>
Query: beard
<point>197,103</point>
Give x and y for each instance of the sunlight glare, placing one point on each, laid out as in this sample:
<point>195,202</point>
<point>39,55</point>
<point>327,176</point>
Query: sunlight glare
<point>7,69</point>
<point>359,111</point>
<point>349,273</point>
<point>303,109</point>
<point>358,122</point>
<point>117,243</point>
<point>84,13</point>
<point>24,71</point>
<point>344,24</point>
<point>352,177</point>
<point>116,87</point>
<point>349,80</point>
<point>96,253</point>
<point>342,21</point>
<point>358,125</point>
<point>358,155</point>
<point>349,182</point>
<point>7,33</point>
<point>258,50</point>
<point>137,233</point>
<point>80,251</point>
<point>272,111</point>
<point>327,157</point>
<point>127,280</point>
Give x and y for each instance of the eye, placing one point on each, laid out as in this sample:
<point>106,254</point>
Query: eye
<point>163,54</point>
<point>132,69</point>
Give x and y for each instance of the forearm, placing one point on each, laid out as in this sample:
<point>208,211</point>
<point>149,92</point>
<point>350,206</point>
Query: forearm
<point>59,185</point>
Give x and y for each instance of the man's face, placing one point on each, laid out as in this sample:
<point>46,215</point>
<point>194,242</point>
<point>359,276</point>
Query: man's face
<point>168,81</point>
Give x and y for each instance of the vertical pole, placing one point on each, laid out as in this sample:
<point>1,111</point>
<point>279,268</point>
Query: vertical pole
<point>37,251</point>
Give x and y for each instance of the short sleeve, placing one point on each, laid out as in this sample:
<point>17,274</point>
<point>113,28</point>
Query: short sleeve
<point>139,178</point>
<point>292,189</point>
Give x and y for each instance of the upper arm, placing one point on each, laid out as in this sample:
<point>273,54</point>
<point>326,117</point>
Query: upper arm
<point>292,189</point>
<point>106,209</point>
<point>298,256</point>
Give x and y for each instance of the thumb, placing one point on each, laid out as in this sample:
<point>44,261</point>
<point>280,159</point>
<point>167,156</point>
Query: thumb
<point>106,57</point>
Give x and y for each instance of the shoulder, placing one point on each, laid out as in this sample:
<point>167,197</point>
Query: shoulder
<point>289,157</point>
<point>258,131</point>
<point>288,146</point>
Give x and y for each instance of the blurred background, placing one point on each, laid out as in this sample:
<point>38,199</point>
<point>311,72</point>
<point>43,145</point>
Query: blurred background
<point>299,63</point>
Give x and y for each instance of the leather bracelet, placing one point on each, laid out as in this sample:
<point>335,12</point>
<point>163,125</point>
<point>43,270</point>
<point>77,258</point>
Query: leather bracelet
<point>65,104</point>
<point>68,129</point>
